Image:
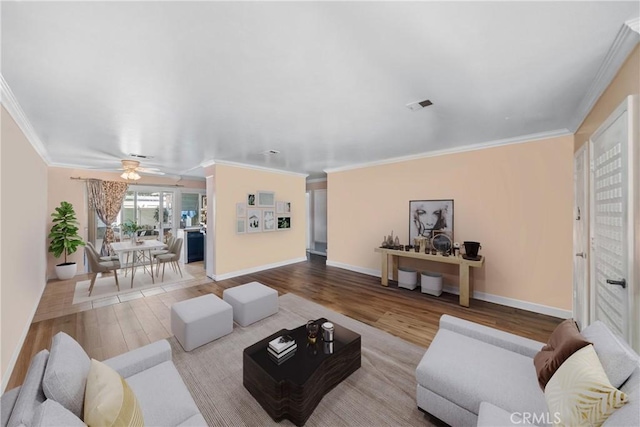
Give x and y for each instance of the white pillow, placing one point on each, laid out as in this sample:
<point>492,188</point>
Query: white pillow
<point>579,392</point>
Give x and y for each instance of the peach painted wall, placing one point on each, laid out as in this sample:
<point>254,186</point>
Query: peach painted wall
<point>516,200</point>
<point>625,83</point>
<point>236,252</point>
<point>62,187</point>
<point>24,216</point>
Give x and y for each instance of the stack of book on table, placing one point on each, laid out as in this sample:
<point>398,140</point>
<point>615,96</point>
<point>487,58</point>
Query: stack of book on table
<point>282,349</point>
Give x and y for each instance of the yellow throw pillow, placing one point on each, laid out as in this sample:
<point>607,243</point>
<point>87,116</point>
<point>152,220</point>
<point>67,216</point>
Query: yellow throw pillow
<point>580,394</point>
<point>108,400</point>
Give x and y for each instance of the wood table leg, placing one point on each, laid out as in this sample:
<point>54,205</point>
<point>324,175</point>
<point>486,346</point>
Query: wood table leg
<point>384,275</point>
<point>464,284</point>
<point>394,265</point>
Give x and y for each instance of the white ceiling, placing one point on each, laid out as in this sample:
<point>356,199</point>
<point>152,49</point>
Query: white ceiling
<point>325,83</point>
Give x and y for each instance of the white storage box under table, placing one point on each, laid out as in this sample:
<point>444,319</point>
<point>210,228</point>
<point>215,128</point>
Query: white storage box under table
<point>431,283</point>
<point>407,278</point>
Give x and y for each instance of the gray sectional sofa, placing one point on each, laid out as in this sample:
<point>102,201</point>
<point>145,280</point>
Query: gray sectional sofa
<point>53,390</point>
<point>475,375</point>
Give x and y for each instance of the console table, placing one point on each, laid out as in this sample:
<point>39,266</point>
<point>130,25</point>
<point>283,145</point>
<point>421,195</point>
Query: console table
<point>464,264</point>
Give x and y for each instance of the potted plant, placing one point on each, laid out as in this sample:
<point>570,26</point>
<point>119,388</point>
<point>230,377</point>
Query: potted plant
<point>64,239</point>
<point>130,228</point>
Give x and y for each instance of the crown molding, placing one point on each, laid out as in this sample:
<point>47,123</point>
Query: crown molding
<point>472,147</point>
<point>255,167</point>
<point>626,40</point>
<point>634,24</point>
<point>313,181</point>
<point>10,102</point>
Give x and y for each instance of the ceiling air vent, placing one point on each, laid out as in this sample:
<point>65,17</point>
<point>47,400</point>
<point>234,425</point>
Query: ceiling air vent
<point>270,152</point>
<point>419,105</point>
<point>140,156</point>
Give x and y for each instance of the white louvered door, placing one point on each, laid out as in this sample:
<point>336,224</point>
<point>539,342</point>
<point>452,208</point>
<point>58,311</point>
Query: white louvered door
<point>611,261</point>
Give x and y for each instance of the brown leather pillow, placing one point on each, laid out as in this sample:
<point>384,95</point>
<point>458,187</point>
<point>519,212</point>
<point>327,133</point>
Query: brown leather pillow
<point>563,342</point>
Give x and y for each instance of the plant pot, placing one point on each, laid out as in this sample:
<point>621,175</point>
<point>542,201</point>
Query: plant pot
<point>66,271</point>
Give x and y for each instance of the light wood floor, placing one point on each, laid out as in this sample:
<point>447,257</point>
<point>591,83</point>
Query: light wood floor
<point>110,330</point>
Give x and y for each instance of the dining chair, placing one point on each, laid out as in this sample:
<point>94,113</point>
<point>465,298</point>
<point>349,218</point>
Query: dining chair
<point>173,256</point>
<point>97,266</point>
<point>170,241</point>
<point>103,258</point>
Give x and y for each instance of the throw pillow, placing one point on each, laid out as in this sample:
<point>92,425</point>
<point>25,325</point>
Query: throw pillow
<point>580,394</point>
<point>563,342</point>
<point>52,414</point>
<point>109,401</point>
<point>66,373</point>
<point>617,358</point>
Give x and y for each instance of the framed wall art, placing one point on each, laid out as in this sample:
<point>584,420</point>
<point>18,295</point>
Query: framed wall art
<point>287,207</point>
<point>241,225</point>
<point>254,220</point>
<point>284,222</point>
<point>251,199</point>
<point>241,210</point>
<point>279,207</point>
<point>266,199</point>
<point>430,217</point>
<point>268,220</point>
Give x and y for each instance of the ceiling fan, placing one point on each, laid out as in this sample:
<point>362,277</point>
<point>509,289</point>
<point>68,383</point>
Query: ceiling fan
<point>132,167</point>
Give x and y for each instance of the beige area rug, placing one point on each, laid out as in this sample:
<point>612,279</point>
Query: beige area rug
<point>105,287</point>
<point>381,393</point>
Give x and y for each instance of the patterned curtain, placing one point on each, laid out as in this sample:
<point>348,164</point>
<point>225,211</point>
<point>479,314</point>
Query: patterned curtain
<point>106,198</point>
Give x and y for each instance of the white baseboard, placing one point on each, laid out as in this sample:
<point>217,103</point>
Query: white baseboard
<point>515,303</point>
<point>256,269</point>
<point>14,358</point>
<point>367,271</point>
<point>482,296</point>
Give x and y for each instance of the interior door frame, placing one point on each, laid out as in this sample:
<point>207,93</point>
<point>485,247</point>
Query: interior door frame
<point>583,317</point>
<point>629,105</point>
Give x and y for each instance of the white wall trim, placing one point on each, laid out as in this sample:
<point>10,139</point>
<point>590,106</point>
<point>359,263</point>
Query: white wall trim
<point>237,273</point>
<point>363,270</point>
<point>472,147</point>
<point>624,43</point>
<point>634,24</point>
<point>312,181</point>
<point>254,167</point>
<point>10,102</point>
<point>482,296</point>
<point>14,358</point>
<point>515,303</point>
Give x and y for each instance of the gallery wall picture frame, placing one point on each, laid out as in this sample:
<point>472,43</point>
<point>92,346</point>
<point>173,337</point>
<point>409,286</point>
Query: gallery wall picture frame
<point>254,220</point>
<point>284,222</point>
<point>279,207</point>
<point>241,225</point>
<point>430,217</point>
<point>251,199</point>
<point>268,220</point>
<point>287,207</point>
<point>241,210</point>
<point>265,199</point>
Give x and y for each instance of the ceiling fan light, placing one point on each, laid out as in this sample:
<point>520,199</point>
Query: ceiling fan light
<point>130,175</point>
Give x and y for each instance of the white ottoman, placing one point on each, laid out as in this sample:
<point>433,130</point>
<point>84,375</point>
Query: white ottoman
<point>251,302</point>
<point>200,320</point>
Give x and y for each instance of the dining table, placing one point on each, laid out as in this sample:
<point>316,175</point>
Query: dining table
<point>138,256</point>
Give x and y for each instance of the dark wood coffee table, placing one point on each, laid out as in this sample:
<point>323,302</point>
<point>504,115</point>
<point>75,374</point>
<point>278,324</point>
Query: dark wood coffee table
<point>293,389</point>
